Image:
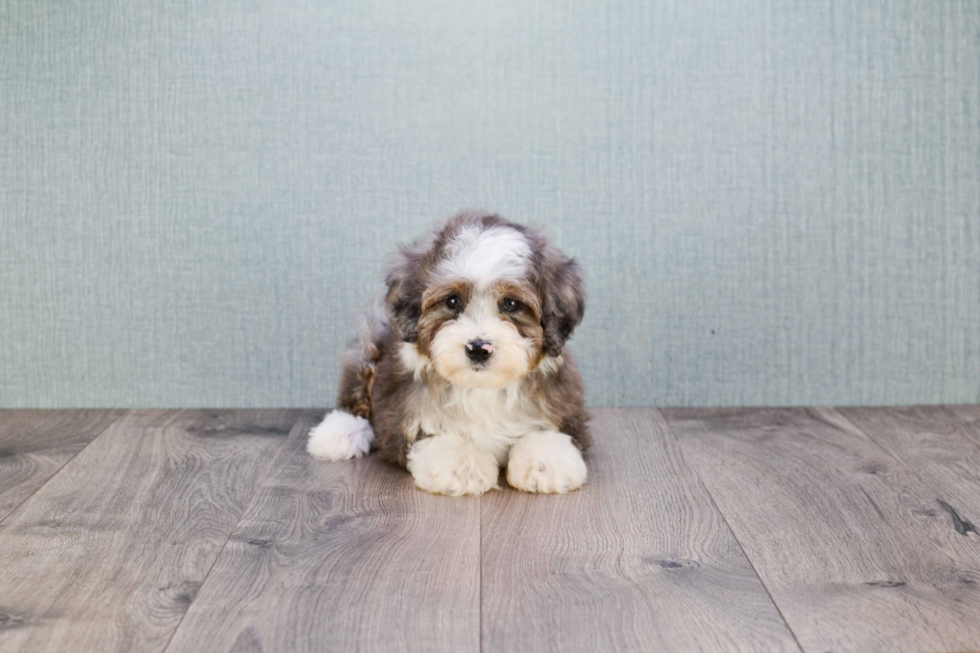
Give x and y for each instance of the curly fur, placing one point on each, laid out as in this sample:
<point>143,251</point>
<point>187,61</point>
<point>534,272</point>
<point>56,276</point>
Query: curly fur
<point>408,373</point>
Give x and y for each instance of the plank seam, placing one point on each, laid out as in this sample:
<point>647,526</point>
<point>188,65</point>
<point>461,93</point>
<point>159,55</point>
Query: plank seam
<point>67,462</point>
<point>231,533</point>
<point>714,503</point>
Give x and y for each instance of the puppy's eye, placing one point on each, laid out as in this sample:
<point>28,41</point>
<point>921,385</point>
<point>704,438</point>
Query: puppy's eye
<point>511,305</point>
<point>453,302</point>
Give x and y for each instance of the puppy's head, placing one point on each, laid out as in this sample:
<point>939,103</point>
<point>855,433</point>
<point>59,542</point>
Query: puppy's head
<point>484,300</point>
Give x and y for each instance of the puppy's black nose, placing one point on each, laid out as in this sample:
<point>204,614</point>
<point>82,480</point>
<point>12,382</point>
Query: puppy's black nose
<point>478,350</point>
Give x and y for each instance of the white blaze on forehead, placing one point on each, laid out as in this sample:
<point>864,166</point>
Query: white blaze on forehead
<point>484,256</point>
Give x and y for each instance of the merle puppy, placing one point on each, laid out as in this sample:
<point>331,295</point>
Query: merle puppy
<point>462,368</point>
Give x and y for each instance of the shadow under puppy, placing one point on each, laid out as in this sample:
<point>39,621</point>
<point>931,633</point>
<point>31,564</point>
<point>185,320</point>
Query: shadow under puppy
<point>461,369</point>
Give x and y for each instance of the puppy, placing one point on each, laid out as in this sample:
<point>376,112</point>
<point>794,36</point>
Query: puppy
<point>461,369</point>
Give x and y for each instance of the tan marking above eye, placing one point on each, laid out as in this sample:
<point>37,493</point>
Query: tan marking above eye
<point>521,292</point>
<point>437,295</point>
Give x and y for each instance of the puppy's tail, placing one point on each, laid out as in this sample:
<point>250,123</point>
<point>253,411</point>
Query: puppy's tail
<point>346,432</point>
<point>340,436</point>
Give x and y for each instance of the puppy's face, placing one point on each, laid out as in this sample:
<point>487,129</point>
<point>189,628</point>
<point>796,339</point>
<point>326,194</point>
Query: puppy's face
<point>481,335</point>
<point>485,300</point>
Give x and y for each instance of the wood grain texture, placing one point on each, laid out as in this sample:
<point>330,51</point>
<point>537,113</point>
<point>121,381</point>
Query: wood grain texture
<point>35,444</point>
<point>344,556</point>
<point>638,559</point>
<point>108,555</point>
<point>970,418</point>
<point>936,445</point>
<point>849,543</point>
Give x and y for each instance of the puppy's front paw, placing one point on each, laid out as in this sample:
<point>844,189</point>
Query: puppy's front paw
<point>446,464</point>
<point>546,462</point>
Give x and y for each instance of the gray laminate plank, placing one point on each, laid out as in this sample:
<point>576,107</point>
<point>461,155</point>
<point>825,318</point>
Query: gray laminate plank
<point>108,555</point>
<point>638,559</point>
<point>970,417</point>
<point>342,556</point>
<point>847,540</point>
<point>937,446</point>
<point>35,444</point>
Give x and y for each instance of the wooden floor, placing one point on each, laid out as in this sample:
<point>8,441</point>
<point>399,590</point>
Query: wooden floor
<point>699,530</point>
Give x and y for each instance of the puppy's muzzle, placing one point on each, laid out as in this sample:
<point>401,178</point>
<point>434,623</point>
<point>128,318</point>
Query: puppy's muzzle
<point>478,351</point>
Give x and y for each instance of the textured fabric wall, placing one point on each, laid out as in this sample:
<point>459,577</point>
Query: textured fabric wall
<point>774,202</point>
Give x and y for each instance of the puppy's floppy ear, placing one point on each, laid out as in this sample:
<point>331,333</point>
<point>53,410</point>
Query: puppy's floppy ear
<point>404,297</point>
<point>562,298</point>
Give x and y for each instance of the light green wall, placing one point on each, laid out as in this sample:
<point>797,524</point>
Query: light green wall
<point>774,202</point>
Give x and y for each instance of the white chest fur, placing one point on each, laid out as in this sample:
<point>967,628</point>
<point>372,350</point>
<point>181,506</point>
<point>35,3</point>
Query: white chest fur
<point>492,419</point>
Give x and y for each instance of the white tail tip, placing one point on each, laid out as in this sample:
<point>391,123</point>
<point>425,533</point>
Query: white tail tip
<point>340,436</point>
